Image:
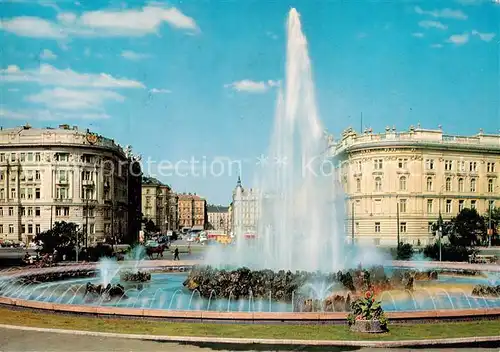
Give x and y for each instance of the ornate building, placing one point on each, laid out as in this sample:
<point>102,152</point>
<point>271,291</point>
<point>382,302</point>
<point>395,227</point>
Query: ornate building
<point>192,212</point>
<point>159,204</point>
<point>245,209</point>
<point>218,218</point>
<point>397,183</point>
<point>62,174</point>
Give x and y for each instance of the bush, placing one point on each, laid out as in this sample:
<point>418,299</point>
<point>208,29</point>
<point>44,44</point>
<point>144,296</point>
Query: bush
<point>405,251</point>
<point>449,252</point>
<point>367,308</point>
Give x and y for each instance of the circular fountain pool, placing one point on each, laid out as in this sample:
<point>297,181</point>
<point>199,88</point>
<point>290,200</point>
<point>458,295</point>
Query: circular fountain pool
<point>165,292</point>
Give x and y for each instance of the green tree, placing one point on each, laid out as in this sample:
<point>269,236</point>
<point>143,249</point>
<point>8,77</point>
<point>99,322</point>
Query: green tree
<point>150,226</point>
<point>468,228</point>
<point>405,251</point>
<point>62,236</point>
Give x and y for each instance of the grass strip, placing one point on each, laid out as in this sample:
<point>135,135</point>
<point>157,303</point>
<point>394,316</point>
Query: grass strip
<point>303,332</point>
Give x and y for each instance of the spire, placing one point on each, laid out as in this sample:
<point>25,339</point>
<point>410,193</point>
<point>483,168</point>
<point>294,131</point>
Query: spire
<point>238,184</point>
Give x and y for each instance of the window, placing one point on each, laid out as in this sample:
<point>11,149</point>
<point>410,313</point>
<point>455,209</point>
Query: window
<point>1,228</point>
<point>491,204</point>
<point>473,204</point>
<point>62,211</point>
<point>460,184</point>
<point>62,156</point>
<point>11,211</point>
<point>38,157</point>
<point>491,185</point>
<point>430,227</point>
<point>23,211</point>
<point>13,193</point>
<point>89,211</point>
<point>377,227</point>
<point>448,184</point>
<point>429,183</point>
<point>29,191</point>
<point>37,193</point>
<point>473,166</point>
<point>1,176</point>
<point>30,228</point>
<point>378,164</point>
<point>429,164</point>
<point>30,156</point>
<point>11,228</point>
<point>61,193</point>
<point>91,228</point>
<point>378,184</point>
<point>377,206</point>
<point>23,228</point>
<point>402,227</point>
<point>2,157</point>
<point>30,211</point>
<point>402,183</point>
<point>22,193</point>
<point>448,205</point>
<point>402,206</point>
<point>430,205</point>
<point>2,193</point>
<point>12,157</point>
<point>358,164</point>
<point>473,185</point>
<point>22,157</point>
<point>37,175</point>
<point>37,211</point>
<point>358,185</point>
<point>1,211</point>
<point>63,176</point>
<point>490,167</point>
<point>448,165</point>
<point>402,163</point>
<point>37,229</point>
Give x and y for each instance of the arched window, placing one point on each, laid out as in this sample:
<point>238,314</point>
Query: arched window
<point>402,183</point>
<point>429,183</point>
<point>460,184</point>
<point>473,185</point>
<point>358,185</point>
<point>448,184</point>
<point>378,184</point>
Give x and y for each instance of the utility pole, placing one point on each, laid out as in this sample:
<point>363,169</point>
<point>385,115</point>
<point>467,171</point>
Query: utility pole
<point>490,229</point>
<point>440,230</point>
<point>87,224</point>
<point>352,224</point>
<point>397,220</point>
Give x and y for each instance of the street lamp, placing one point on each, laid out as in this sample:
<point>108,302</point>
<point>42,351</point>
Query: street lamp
<point>352,224</point>
<point>490,207</point>
<point>440,223</point>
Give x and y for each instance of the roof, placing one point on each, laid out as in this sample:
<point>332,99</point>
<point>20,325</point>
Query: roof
<point>151,181</point>
<point>189,196</point>
<point>212,208</point>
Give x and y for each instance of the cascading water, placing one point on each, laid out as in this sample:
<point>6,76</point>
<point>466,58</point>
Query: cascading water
<point>300,203</point>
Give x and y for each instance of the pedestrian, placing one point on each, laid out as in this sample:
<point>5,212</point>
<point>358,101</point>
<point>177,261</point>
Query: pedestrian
<point>176,253</point>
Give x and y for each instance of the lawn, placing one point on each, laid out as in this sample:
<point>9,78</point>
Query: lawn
<point>304,332</point>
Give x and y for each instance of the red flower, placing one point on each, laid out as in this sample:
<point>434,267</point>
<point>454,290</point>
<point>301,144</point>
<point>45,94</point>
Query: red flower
<point>373,299</point>
<point>368,294</point>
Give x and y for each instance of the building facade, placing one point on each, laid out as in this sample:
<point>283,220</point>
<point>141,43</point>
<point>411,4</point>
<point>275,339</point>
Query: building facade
<point>397,183</point>
<point>192,212</point>
<point>159,204</point>
<point>62,174</point>
<point>245,209</point>
<point>218,218</point>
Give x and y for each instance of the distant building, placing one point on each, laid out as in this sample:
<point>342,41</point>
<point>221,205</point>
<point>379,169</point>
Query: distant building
<point>192,212</point>
<point>218,218</point>
<point>63,174</point>
<point>134,200</point>
<point>422,172</point>
<point>245,209</point>
<point>159,204</point>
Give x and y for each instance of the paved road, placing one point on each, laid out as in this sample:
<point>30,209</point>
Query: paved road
<point>28,341</point>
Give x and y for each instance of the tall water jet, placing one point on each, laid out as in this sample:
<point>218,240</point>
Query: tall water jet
<point>301,204</point>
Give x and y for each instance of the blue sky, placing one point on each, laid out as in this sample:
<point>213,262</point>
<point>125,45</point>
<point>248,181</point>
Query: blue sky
<point>197,79</point>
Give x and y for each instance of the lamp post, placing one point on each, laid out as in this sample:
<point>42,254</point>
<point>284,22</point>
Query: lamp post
<point>352,224</point>
<point>440,223</point>
<point>490,208</point>
<point>397,220</point>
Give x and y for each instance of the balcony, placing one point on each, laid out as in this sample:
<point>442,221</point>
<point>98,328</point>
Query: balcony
<point>88,183</point>
<point>63,200</point>
<point>62,181</point>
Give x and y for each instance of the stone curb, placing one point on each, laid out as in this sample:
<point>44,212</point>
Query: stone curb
<point>246,341</point>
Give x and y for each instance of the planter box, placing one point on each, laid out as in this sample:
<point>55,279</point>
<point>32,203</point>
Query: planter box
<point>368,326</point>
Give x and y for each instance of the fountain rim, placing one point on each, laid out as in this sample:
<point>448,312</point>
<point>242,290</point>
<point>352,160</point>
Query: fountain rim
<point>283,317</point>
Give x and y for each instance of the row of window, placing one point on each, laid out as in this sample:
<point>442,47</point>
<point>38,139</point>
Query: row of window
<point>86,158</point>
<point>29,175</point>
<point>430,164</point>
<point>403,184</point>
<point>29,228</point>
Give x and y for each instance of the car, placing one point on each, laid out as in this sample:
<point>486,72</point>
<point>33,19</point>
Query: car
<point>151,243</point>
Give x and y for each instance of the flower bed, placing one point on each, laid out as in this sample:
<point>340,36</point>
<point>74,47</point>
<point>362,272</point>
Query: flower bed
<point>367,315</point>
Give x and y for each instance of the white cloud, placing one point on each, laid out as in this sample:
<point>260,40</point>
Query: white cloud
<point>146,20</point>
<point>437,46</point>
<point>418,35</point>
<point>432,24</point>
<point>485,37</point>
<point>50,115</point>
<point>132,55</point>
<point>159,91</point>
<point>34,27</point>
<point>124,22</point>
<point>46,54</point>
<point>458,39</point>
<point>250,86</point>
<point>66,99</point>
<point>443,13</point>
<point>50,75</point>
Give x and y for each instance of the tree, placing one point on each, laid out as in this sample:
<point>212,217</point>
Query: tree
<point>469,228</point>
<point>495,224</point>
<point>447,228</point>
<point>150,226</point>
<point>405,251</point>
<point>62,237</point>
